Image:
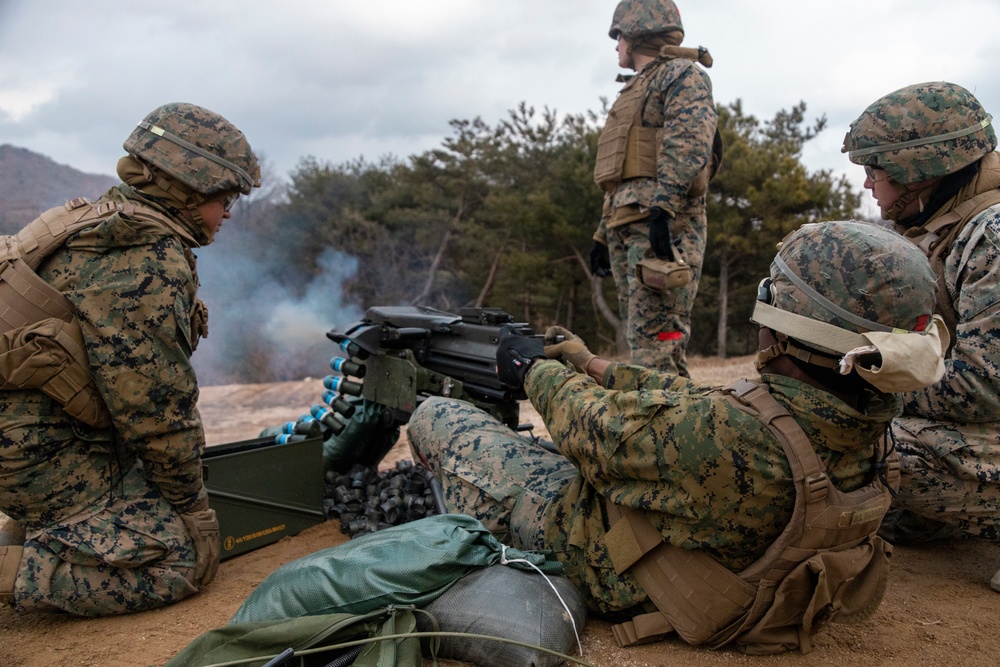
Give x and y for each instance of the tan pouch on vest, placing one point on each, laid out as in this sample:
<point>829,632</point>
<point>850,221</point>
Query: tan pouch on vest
<point>845,585</point>
<point>611,148</point>
<point>50,356</point>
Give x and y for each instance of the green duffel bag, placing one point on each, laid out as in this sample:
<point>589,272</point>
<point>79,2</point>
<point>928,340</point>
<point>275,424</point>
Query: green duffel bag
<point>313,640</point>
<point>410,564</point>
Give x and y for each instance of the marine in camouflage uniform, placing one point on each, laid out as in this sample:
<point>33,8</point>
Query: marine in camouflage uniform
<point>708,475</point>
<point>655,182</point>
<point>116,517</point>
<point>929,153</point>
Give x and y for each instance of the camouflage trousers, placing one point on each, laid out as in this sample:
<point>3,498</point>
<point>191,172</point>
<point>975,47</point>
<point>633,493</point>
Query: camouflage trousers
<point>131,554</point>
<point>527,496</point>
<point>489,472</point>
<point>950,485</point>
<point>657,324</point>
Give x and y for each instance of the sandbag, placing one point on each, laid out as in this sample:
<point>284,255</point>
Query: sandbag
<point>408,564</point>
<point>500,601</point>
<point>264,640</point>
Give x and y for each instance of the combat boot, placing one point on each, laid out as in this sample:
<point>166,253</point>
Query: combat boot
<point>10,563</point>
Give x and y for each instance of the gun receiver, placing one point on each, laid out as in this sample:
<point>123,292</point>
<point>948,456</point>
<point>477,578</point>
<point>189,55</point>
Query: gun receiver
<point>407,353</point>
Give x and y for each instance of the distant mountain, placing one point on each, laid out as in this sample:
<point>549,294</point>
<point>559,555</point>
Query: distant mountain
<point>31,183</point>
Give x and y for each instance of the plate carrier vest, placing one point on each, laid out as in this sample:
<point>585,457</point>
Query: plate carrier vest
<point>827,565</point>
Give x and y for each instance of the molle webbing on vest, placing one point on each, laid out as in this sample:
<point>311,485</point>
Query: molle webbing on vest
<point>706,603</point>
<point>625,148</point>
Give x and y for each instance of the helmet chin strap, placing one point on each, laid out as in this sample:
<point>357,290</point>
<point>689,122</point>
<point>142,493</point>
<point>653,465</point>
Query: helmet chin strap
<point>787,346</point>
<point>908,195</point>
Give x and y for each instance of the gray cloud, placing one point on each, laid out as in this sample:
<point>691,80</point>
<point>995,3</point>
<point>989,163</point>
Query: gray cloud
<point>340,80</point>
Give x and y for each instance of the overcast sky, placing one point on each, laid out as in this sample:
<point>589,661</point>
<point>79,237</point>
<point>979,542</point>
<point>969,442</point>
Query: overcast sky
<point>340,80</point>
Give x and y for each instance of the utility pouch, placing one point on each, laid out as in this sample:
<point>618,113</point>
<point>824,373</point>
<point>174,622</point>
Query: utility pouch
<point>663,275</point>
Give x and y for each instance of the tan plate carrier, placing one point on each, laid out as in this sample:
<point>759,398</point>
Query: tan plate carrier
<point>828,563</point>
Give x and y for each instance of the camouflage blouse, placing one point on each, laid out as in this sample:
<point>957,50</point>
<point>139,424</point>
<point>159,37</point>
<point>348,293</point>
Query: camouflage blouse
<point>709,475</point>
<point>133,285</point>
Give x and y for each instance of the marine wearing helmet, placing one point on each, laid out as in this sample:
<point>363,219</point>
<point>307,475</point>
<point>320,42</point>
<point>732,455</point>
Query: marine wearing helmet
<point>189,155</point>
<point>918,135</point>
<point>928,151</point>
<point>846,296</point>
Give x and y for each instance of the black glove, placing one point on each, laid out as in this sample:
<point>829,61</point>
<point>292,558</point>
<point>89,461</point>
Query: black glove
<point>600,260</point>
<point>659,233</point>
<point>515,354</point>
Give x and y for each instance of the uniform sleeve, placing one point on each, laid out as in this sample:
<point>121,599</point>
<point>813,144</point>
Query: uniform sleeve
<point>612,437</point>
<point>626,377</point>
<point>135,313</point>
<point>689,122</point>
<point>710,475</point>
<point>970,388</point>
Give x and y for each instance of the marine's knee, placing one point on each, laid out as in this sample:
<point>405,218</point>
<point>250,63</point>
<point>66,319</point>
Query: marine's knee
<point>424,429</point>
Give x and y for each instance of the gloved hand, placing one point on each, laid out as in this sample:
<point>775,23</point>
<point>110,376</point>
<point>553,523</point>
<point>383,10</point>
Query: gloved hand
<point>515,354</point>
<point>571,348</point>
<point>204,529</point>
<point>600,260</point>
<point>659,233</point>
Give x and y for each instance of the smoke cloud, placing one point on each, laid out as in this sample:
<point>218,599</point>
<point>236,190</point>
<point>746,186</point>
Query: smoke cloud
<point>268,319</point>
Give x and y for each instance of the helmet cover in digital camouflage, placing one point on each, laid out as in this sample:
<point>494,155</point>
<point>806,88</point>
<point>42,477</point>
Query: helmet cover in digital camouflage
<point>921,132</point>
<point>857,276</point>
<point>636,18</point>
<point>198,147</point>
<point>850,289</point>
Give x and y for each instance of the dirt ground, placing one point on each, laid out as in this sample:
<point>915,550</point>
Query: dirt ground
<point>938,609</point>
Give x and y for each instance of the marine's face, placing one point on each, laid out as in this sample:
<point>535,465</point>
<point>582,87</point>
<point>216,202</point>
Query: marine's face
<point>213,212</point>
<point>884,192</point>
<point>624,56</point>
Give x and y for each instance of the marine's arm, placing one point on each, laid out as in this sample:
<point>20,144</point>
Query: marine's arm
<point>689,122</point>
<point>970,388</point>
<point>135,316</point>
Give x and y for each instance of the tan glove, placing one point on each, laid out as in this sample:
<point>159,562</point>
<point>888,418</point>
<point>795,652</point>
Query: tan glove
<point>204,529</point>
<point>571,348</point>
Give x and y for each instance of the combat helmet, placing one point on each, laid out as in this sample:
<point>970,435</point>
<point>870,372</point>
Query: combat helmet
<point>921,132</point>
<point>197,147</point>
<point>639,18</point>
<point>840,290</point>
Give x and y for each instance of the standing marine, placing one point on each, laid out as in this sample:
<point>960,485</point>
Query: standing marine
<point>100,435</point>
<point>929,159</point>
<point>656,154</point>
